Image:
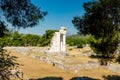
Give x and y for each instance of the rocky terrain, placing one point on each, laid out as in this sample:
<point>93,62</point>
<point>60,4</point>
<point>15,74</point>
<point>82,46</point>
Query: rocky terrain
<point>76,64</point>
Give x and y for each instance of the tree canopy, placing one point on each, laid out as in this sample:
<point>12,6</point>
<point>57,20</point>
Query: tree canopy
<point>21,14</point>
<point>16,39</point>
<point>46,38</point>
<point>101,20</point>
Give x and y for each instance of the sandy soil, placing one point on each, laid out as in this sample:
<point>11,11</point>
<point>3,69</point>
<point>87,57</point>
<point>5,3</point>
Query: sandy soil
<point>35,69</point>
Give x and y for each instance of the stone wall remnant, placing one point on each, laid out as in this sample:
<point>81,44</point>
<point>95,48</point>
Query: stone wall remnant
<point>58,43</point>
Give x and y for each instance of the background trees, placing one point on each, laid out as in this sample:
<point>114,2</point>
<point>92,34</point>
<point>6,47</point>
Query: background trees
<point>101,20</point>
<point>30,40</point>
<point>17,39</point>
<point>77,40</point>
<point>46,38</point>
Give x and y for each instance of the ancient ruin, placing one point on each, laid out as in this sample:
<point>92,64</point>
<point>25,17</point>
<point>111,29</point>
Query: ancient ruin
<point>58,43</point>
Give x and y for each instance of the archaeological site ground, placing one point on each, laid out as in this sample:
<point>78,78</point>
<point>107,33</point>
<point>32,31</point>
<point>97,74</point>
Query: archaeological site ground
<point>39,65</point>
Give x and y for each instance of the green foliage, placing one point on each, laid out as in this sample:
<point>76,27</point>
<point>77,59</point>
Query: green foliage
<point>118,54</point>
<point>70,49</point>
<point>78,41</point>
<point>30,40</point>
<point>17,39</point>
<point>6,62</point>
<point>5,39</point>
<point>46,38</point>
<point>3,29</point>
<point>19,13</point>
<point>101,20</point>
<point>118,59</point>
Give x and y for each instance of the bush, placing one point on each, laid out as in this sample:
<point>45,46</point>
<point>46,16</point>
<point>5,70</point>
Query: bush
<point>78,41</point>
<point>70,49</point>
<point>46,38</point>
<point>80,46</point>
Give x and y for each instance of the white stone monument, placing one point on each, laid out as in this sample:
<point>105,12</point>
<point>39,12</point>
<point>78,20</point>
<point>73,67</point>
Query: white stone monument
<point>58,43</point>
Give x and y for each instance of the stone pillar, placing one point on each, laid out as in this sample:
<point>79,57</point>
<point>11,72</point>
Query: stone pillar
<point>57,48</point>
<point>58,43</point>
<point>63,39</point>
<point>64,43</point>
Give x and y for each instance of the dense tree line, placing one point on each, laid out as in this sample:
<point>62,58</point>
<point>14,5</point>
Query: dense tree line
<point>17,39</point>
<point>47,37</point>
<point>78,41</point>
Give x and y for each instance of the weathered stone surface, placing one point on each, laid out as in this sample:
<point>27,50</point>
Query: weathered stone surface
<point>114,68</point>
<point>57,60</point>
<point>58,43</point>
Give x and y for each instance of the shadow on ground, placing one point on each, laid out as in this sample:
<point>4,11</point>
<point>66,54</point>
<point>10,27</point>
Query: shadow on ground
<point>94,56</point>
<point>112,77</point>
<point>83,78</point>
<point>109,77</point>
<point>60,78</point>
<point>49,78</point>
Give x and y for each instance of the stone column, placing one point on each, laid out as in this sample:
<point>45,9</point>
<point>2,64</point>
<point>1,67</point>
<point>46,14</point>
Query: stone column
<point>64,43</point>
<point>59,41</point>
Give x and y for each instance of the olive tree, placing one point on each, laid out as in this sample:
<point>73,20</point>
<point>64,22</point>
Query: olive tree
<point>101,20</point>
<point>21,14</point>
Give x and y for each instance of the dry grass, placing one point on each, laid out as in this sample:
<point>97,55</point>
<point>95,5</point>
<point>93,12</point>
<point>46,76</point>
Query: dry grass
<point>97,73</point>
<point>34,68</point>
<point>76,51</point>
